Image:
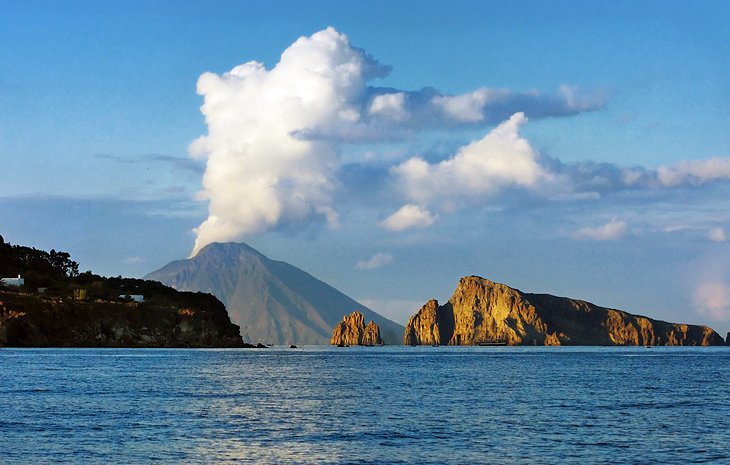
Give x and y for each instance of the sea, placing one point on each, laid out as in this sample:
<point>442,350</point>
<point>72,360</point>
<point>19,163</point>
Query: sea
<point>366,405</point>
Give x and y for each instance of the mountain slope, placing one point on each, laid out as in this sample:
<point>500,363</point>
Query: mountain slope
<point>272,301</point>
<point>483,311</point>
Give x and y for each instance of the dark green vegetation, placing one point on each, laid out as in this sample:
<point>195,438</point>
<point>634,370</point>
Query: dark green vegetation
<point>38,267</point>
<point>58,306</point>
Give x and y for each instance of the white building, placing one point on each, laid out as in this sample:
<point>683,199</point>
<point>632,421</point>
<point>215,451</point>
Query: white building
<point>17,282</point>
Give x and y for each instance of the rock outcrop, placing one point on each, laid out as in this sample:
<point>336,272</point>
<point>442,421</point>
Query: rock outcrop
<point>352,331</point>
<point>182,319</point>
<point>481,311</point>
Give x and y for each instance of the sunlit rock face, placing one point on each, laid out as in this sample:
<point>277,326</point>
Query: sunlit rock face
<point>424,327</point>
<point>352,331</point>
<point>482,311</point>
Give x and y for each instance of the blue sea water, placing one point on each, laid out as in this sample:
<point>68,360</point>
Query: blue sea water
<point>322,405</point>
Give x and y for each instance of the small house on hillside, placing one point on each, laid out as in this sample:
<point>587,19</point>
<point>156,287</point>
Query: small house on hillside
<point>16,282</point>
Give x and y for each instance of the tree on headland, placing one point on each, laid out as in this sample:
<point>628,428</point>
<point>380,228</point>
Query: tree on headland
<point>62,261</point>
<point>59,274</point>
<point>21,260</point>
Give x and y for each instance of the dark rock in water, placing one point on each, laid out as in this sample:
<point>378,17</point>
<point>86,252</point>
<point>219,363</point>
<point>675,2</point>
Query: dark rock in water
<point>353,331</point>
<point>727,339</point>
<point>166,319</point>
<point>293,346</point>
<point>261,346</point>
<point>481,311</point>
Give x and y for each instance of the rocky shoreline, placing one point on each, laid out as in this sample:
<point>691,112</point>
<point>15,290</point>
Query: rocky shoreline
<point>195,320</point>
<point>484,312</point>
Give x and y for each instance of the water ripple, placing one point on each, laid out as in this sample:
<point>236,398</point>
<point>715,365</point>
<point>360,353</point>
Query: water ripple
<point>388,405</point>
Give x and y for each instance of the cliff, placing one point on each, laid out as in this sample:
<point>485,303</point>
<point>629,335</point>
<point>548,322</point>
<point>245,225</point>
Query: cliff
<point>170,320</point>
<point>483,311</point>
<point>352,331</point>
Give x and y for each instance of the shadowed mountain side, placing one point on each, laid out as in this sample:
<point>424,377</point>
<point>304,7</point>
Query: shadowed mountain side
<point>272,301</point>
<point>483,312</point>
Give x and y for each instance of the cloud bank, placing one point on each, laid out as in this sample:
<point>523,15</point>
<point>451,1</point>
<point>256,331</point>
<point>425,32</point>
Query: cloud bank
<point>717,235</point>
<point>408,217</point>
<point>276,135</point>
<point>272,147</point>
<point>501,159</point>
<point>695,172</point>
<point>611,231</point>
<point>257,174</point>
<point>504,163</point>
<point>378,260</point>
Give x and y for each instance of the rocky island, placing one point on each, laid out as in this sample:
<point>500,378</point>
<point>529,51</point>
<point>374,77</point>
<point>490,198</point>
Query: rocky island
<point>182,320</point>
<point>51,304</point>
<point>484,312</point>
<point>352,331</point>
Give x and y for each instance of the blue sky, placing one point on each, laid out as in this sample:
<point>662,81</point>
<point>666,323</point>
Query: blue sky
<point>613,189</point>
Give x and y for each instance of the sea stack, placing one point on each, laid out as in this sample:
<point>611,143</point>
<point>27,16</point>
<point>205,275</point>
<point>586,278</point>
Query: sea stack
<point>484,312</point>
<point>352,331</point>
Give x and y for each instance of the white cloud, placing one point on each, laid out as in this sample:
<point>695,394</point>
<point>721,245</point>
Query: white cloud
<point>392,114</point>
<point>717,235</point>
<point>606,177</point>
<point>408,217</point>
<point>578,101</point>
<point>712,299</point>
<point>486,105</point>
<point>258,175</point>
<point>274,134</point>
<point>695,172</point>
<point>501,159</point>
<point>466,107</point>
<point>610,231</point>
<point>390,106</point>
<point>134,260</point>
<point>378,260</point>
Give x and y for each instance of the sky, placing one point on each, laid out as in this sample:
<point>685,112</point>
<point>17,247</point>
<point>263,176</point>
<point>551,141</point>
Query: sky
<point>388,148</point>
